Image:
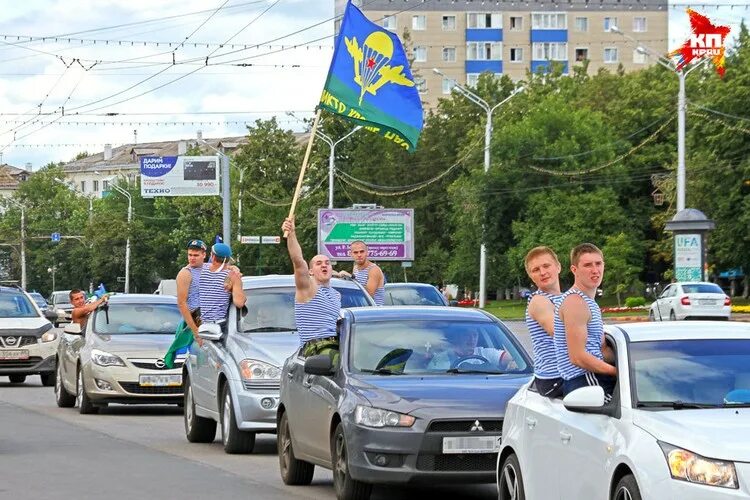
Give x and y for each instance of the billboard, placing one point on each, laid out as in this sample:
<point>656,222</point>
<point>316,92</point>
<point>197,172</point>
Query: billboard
<point>179,176</point>
<point>688,263</point>
<point>389,233</point>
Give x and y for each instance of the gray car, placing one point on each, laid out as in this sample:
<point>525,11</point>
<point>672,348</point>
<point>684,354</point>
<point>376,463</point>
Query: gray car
<point>233,379</point>
<point>413,294</point>
<point>418,397</point>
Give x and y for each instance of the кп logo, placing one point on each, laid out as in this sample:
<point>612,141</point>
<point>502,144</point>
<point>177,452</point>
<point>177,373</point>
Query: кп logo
<point>706,40</point>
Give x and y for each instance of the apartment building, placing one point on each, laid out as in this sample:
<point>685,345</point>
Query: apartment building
<point>463,38</point>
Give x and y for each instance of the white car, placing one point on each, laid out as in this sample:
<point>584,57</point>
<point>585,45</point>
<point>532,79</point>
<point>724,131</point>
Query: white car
<point>678,425</point>
<point>696,300</point>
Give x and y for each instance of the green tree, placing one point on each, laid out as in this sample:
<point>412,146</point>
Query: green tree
<point>623,256</point>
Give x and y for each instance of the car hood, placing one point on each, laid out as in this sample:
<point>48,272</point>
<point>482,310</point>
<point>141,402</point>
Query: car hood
<point>24,326</point>
<point>273,348</point>
<point>722,433</point>
<point>134,345</point>
<point>452,394</point>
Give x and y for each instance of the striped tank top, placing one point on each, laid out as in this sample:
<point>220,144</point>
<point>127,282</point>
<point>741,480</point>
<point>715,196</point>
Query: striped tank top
<point>317,318</point>
<point>594,329</point>
<point>194,294</point>
<point>361,276</point>
<point>545,361</point>
<point>214,299</point>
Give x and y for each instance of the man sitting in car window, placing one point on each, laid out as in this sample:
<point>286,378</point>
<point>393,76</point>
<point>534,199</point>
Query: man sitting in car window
<point>464,345</point>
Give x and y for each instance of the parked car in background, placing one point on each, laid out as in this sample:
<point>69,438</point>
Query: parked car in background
<point>233,379</point>
<point>678,425</point>
<point>27,340</point>
<point>417,396</point>
<point>118,357</point>
<point>60,303</point>
<point>39,300</point>
<point>691,300</point>
<point>413,294</point>
<point>167,287</point>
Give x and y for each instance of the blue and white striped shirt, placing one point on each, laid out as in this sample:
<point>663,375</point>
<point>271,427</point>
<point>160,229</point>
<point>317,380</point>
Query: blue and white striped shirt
<point>545,360</point>
<point>317,318</point>
<point>194,294</point>
<point>594,329</point>
<point>361,276</point>
<point>214,299</point>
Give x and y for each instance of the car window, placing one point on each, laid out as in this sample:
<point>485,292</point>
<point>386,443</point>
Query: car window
<point>119,319</point>
<point>433,347</point>
<point>702,288</point>
<point>413,296</point>
<point>667,292</point>
<point>16,305</point>
<point>707,371</point>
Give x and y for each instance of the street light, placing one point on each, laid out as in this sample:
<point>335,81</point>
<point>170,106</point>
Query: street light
<point>332,148</point>
<point>23,241</point>
<point>681,106</point>
<point>127,243</point>
<point>487,138</point>
<point>52,270</point>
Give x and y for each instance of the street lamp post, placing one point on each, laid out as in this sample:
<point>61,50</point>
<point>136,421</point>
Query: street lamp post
<point>487,139</point>
<point>332,149</point>
<point>52,270</point>
<point>127,243</point>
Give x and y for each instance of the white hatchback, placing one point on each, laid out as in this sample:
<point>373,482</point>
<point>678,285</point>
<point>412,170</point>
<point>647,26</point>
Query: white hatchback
<point>678,425</point>
<point>693,300</point>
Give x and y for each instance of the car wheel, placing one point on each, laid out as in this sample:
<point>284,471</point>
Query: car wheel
<point>85,407</point>
<point>627,489</point>
<point>293,471</point>
<point>63,398</point>
<point>197,429</point>
<point>48,379</point>
<point>346,487</point>
<point>17,379</point>
<point>672,316</point>
<point>234,440</point>
<point>510,480</point>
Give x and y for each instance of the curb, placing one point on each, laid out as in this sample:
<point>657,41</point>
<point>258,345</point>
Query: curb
<point>638,319</point>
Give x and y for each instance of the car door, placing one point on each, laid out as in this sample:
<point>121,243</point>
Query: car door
<point>296,388</point>
<point>70,348</point>
<point>321,396</point>
<point>541,445</point>
<point>663,304</point>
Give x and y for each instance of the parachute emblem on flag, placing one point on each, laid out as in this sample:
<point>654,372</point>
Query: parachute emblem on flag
<point>371,69</point>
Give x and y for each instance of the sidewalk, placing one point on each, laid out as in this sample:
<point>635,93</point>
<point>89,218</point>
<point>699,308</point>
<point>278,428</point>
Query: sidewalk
<point>743,317</point>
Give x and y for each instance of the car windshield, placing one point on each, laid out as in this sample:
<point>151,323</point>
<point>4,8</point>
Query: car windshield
<point>681,373</point>
<point>702,288</point>
<point>272,309</point>
<point>61,299</point>
<point>120,319</point>
<point>38,299</point>
<point>433,347</point>
<point>16,305</point>
<point>413,296</point>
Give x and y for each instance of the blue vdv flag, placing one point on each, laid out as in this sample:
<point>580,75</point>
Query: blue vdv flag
<point>370,83</point>
<point>100,291</point>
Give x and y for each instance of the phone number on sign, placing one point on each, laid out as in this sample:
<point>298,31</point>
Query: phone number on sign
<point>383,253</point>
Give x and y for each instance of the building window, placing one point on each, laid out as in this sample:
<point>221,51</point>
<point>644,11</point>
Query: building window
<point>448,85</point>
<point>105,185</point>
<point>449,54</point>
<point>484,20</point>
<point>516,23</point>
<point>582,24</point>
<point>609,22</point>
<point>418,23</point>
<point>516,54</point>
<point>420,54</point>
<point>582,54</point>
<point>610,55</point>
<point>639,57</point>
<point>449,23</point>
<point>83,186</point>
<point>544,21</point>
<point>421,84</point>
<point>389,23</point>
<point>96,186</point>
<point>553,51</point>
<point>472,79</point>
<point>639,24</point>
<point>484,51</point>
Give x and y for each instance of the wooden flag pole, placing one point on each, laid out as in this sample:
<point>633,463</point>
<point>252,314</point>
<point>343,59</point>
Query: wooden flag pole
<point>304,167</point>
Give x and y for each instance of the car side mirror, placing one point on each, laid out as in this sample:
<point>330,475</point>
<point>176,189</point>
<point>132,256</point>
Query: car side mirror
<point>453,303</point>
<point>50,315</point>
<point>320,364</point>
<point>585,400</point>
<point>210,331</point>
<point>73,329</point>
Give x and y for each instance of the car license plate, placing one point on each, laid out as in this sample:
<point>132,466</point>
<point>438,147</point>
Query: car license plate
<point>706,302</point>
<point>159,380</point>
<point>14,354</point>
<point>472,444</point>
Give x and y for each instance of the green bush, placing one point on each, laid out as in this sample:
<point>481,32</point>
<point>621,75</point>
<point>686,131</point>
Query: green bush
<point>635,301</point>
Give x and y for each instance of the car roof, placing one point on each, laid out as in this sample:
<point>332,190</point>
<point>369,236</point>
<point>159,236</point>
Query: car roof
<point>286,280</point>
<point>409,285</point>
<point>695,283</point>
<point>142,298</point>
<point>684,330</point>
<point>4,288</point>
<point>405,313</point>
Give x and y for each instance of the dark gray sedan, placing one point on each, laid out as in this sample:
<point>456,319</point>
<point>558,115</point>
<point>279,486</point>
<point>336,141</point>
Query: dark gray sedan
<point>413,294</point>
<point>418,395</point>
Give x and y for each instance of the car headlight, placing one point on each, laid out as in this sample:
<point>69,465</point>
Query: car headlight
<point>252,369</point>
<point>49,336</point>
<point>693,468</point>
<point>375,417</point>
<point>103,358</point>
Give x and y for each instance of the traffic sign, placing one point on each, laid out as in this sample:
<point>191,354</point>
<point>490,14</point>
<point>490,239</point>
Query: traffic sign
<point>55,237</point>
<point>270,240</point>
<point>121,279</point>
<point>250,240</point>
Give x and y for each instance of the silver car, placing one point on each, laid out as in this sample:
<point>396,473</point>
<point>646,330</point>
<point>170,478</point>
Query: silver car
<point>118,357</point>
<point>233,379</point>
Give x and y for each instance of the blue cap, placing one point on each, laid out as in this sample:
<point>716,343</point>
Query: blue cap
<point>222,250</point>
<point>197,245</point>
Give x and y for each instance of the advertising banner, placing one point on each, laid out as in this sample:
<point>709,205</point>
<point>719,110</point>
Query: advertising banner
<point>388,233</point>
<point>687,259</point>
<point>179,176</point>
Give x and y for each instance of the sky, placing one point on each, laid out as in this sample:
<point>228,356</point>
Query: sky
<point>77,83</point>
